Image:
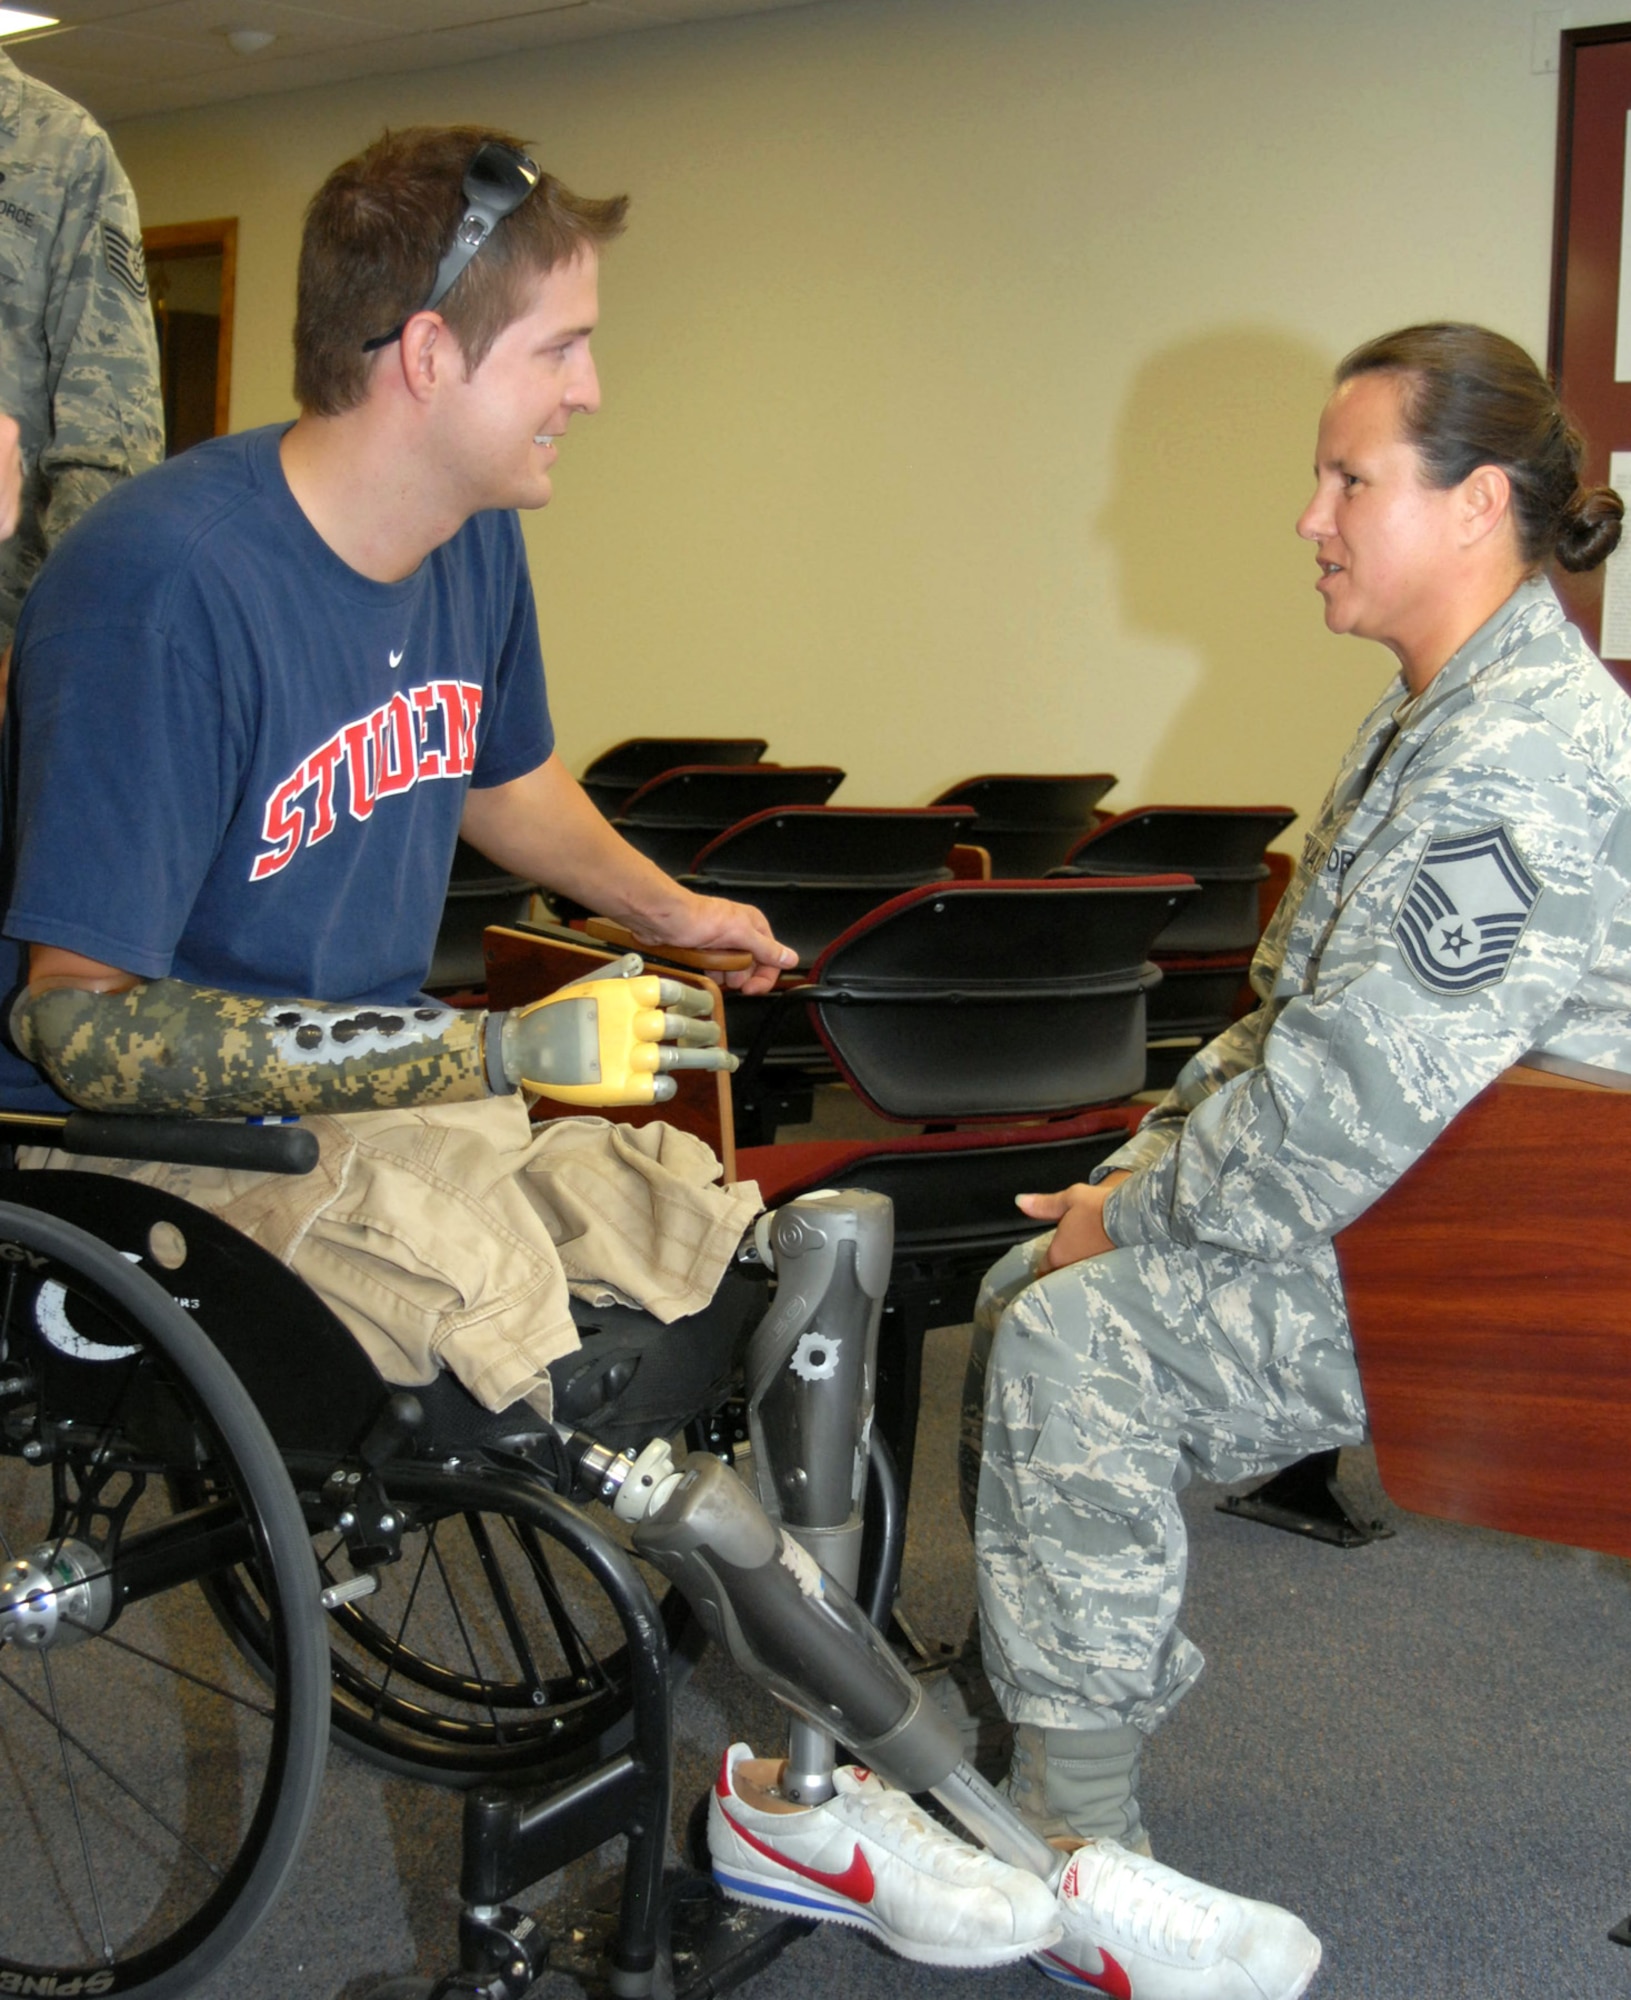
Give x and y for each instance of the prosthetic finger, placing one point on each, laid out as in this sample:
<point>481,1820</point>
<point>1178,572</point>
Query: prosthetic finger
<point>682,1028</point>
<point>684,999</point>
<point>669,1058</point>
<point>629,966</point>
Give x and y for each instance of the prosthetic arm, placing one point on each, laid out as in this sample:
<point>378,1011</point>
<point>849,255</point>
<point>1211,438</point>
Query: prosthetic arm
<point>161,1045</point>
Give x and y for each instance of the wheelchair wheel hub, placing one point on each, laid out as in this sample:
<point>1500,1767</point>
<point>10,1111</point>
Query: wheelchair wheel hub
<point>58,1595</point>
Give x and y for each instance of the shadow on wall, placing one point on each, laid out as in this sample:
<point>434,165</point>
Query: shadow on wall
<point>1212,465</point>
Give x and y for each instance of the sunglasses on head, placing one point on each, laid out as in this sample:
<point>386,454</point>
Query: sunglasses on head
<point>499,179</point>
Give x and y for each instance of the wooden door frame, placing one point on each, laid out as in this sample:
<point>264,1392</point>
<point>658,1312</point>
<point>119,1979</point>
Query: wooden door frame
<point>217,237</point>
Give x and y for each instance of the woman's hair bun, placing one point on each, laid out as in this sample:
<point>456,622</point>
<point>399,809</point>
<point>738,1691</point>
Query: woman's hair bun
<point>1589,532</point>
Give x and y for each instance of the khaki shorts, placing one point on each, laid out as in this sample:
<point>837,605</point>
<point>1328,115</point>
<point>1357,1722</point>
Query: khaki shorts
<point>455,1235</point>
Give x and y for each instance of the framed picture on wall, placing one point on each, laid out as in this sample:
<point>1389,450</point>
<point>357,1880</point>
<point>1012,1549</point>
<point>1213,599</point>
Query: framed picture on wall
<point>1589,350</point>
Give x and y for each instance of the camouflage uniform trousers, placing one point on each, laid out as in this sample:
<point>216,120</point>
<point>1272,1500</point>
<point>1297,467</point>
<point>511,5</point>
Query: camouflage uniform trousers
<point>1093,1394</point>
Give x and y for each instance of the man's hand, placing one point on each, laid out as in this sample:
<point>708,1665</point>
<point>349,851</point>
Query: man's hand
<point>543,828</point>
<point>1078,1215</point>
<point>11,477</point>
<point>709,923</point>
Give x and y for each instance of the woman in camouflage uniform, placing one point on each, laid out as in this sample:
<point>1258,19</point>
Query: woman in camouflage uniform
<point>1459,906</point>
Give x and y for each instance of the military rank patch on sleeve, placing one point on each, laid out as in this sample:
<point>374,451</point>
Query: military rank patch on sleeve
<point>1465,910</point>
<point>125,259</point>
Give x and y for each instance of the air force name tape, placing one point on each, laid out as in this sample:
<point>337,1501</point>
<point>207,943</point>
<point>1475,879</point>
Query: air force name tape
<point>1464,911</point>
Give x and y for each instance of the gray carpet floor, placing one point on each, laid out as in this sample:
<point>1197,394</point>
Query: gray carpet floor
<point>1422,1747</point>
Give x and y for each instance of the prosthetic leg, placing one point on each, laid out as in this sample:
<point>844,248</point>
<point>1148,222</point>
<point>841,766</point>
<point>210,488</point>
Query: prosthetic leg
<point>811,1373</point>
<point>772,1575</point>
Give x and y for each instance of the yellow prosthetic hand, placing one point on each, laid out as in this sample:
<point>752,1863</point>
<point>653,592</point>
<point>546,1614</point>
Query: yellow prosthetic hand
<point>613,1038</point>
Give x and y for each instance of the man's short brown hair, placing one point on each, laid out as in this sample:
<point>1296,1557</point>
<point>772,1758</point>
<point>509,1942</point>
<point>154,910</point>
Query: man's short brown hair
<point>375,234</point>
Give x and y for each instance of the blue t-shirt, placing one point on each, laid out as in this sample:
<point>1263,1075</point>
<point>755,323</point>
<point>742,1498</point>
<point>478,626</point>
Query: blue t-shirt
<point>233,760</point>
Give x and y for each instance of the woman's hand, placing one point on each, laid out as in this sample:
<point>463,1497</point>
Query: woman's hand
<point>1078,1217</point>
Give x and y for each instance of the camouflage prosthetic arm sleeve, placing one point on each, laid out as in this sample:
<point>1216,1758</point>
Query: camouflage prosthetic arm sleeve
<point>162,1046</point>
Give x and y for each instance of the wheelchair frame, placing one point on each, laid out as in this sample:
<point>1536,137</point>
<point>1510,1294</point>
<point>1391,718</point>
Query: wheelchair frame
<point>214,1440</point>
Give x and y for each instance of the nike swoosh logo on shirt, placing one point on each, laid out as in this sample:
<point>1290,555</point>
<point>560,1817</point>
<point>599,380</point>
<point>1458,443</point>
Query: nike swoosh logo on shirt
<point>856,1881</point>
<point>396,658</point>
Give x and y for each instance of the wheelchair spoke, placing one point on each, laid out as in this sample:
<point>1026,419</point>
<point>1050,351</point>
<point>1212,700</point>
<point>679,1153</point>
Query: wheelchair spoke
<point>397,1648</point>
<point>579,1659</point>
<point>482,1542</point>
<point>479,1677</point>
<point>67,1736</point>
<point>178,1672</point>
<point>62,1736</point>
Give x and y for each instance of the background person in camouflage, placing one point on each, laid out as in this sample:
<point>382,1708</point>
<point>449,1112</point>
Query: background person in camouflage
<point>79,365</point>
<point>1464,902</point>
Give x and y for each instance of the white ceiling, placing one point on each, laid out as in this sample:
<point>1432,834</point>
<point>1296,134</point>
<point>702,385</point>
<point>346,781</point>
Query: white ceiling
<point>124,58</point>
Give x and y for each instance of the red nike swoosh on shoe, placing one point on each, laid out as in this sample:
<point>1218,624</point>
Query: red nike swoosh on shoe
<point>1110,1977</point>
<point>856,1880</point>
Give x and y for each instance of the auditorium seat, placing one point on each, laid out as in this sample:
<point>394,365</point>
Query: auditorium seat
<point>814,870</point>
<point>1207,951</point>
<point>1028,821</point>
<point>674,815</point>
<point>1006,1017</point>
<point>615,774</point>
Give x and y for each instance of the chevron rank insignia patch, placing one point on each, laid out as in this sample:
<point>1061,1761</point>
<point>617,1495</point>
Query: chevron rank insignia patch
<point>125,259</point>
<point>1464,911</point>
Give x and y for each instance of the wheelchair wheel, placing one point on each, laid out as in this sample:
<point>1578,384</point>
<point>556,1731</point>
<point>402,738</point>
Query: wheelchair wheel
<point>490,1651</point>
<point>157,1791</point>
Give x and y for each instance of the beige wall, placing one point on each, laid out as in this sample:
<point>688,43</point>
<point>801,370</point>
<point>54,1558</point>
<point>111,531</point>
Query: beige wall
<point>963,358</point>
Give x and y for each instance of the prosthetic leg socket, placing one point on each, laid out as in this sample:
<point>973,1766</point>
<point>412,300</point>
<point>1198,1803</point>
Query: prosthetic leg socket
<point>810,1373</point>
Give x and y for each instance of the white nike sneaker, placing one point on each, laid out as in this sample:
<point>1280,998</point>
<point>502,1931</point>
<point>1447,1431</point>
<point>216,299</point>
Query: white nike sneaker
<point>869,1857</point>
<point>1139,1931</point>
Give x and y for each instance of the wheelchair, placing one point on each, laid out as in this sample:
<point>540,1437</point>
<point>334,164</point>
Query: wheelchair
<point>224,1536</point>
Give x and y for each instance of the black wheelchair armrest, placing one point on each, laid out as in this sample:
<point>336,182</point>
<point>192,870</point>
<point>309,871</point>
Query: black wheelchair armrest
<point>191,1142</point>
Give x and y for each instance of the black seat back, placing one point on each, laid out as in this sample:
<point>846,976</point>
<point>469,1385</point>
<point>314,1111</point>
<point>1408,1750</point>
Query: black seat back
<point>617,773</point>
<point>675,815</point>
<point>975,1000</point>
<point>815,870</point>
<point>1221,846</point>
<point>1028,821</point>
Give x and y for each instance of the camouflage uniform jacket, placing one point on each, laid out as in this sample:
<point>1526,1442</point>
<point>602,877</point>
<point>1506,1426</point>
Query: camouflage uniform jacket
<point>1463,901</point>
<point>78,357</point>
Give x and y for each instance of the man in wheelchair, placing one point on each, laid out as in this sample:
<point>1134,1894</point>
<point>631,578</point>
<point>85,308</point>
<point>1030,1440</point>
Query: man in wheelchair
<point>256,708</point>
<point>258,696</point>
